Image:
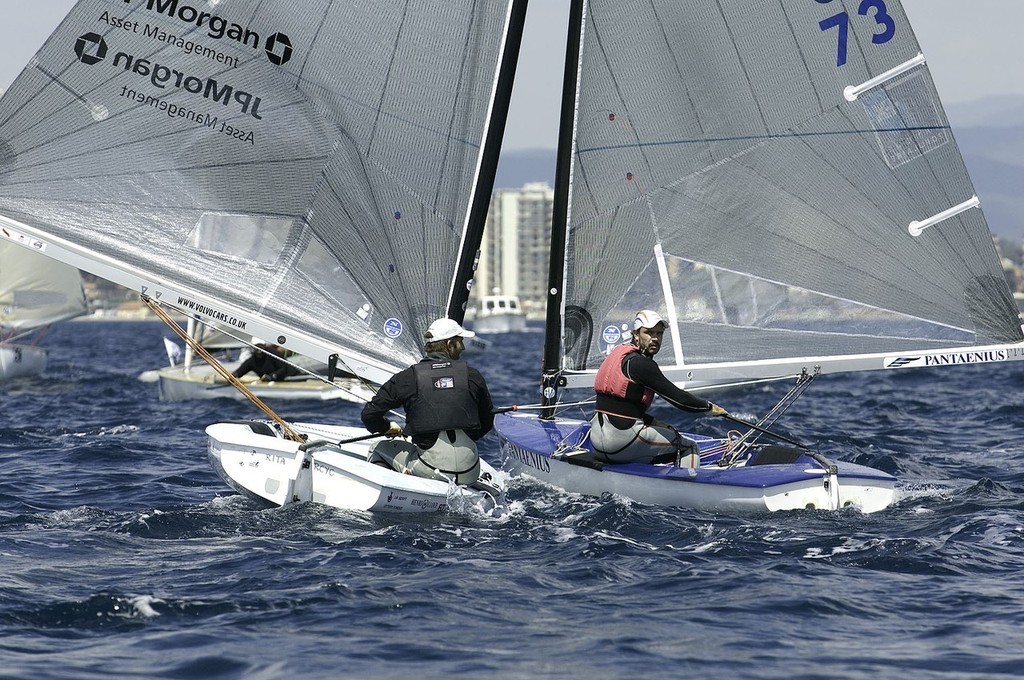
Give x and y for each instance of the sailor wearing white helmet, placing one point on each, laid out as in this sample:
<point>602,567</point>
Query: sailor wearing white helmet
<point>447,408</point>
<point>626,382</point>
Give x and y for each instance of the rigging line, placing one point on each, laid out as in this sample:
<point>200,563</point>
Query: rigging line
<point>803,382</point>
<point>538,407</point>
<point>749,438</point>
<point>764,430</point>
<point>43,332</point>
<point>15,335</point>
<point>217,366</point>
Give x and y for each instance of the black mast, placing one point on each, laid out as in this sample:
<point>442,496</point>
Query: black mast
<point>458,297</point>
<point>551,366</point>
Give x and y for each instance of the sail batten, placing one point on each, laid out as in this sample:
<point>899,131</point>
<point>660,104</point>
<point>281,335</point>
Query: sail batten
<point>853,91</point>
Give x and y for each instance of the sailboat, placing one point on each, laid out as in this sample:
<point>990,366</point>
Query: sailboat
<point>319,178</point>
<point>35,293</point>
<point>188,377</point>
<point>779,182</point>
<point>499,313</point>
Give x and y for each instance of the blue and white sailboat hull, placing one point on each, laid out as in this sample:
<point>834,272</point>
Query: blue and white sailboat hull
<point>543,449</point>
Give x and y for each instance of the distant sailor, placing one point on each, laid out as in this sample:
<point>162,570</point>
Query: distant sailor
<point>447,408</point>
<point>267,360</point>
<point>621,431</point>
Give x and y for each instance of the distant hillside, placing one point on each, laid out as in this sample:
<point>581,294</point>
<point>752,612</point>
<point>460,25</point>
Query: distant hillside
<point>1001,111</point>
<point>516,168</point>
<point>990,133</point>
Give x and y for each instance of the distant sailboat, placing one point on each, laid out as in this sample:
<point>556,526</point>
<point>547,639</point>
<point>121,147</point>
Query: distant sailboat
<point>777,179</point>
<point>35,293</point>
<point>188,377</point>
<point>316,174</point>
<point>499,313</point>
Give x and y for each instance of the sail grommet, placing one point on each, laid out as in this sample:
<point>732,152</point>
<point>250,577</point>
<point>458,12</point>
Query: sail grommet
<point>99,112</point>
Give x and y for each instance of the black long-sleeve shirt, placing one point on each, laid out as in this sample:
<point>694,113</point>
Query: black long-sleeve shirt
<point>644,372</point>
<point>269,364</point>
<point>400,390</point>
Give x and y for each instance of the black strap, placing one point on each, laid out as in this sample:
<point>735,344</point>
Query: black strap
<point>607,454</point>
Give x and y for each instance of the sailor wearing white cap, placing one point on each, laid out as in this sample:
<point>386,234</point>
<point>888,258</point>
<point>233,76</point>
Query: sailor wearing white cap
<point>447,409</point>
<point>621,431</point>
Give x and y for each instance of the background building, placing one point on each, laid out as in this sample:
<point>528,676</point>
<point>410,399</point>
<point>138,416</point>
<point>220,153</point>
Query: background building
<point>514,258</point>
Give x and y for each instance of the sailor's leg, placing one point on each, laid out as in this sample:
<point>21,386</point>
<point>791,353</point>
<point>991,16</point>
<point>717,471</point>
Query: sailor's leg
<point>453,456</point>
<point>646,441</point>
<point>397,454</point>
<point>611,444</point>
<point>689,453</point>
<point>662,439</point>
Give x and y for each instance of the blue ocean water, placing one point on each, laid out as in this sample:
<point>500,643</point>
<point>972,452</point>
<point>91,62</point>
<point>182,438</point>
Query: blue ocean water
<point>122,554</point>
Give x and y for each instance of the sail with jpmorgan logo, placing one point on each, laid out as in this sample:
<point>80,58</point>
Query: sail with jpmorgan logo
<point>316,174</point>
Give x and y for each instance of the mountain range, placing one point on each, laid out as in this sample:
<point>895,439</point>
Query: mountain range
<point>990,133</point>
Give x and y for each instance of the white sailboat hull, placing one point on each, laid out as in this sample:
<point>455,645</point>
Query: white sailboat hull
<point>256,461</point>
<point>201,382</point>
<point>528,447</point>
<point>500,323</point>
<point>499,314</point>
<point>18,361</point>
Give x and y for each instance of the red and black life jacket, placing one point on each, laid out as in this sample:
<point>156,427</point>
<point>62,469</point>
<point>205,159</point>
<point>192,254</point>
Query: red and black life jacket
<point>617,394</point>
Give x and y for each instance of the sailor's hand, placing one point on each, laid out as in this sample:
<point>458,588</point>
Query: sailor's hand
<point>394,430</point>
<point>717,410</point>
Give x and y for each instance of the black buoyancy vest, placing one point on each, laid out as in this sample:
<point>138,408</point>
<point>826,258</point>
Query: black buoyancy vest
<point>443,400</point>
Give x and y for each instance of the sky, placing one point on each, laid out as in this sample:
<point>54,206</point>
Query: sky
<point>974,50</point>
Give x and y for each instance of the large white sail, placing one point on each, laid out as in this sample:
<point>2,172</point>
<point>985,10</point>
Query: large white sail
<point>779,180</point>
<point>36,291</point>
<point>295,171</point>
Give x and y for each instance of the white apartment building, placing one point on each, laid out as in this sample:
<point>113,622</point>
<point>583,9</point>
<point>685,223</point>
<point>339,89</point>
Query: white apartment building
<point>514,253</point>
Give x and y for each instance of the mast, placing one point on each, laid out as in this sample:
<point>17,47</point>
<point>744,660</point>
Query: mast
<point>551,364</point>
<point>465,268</point>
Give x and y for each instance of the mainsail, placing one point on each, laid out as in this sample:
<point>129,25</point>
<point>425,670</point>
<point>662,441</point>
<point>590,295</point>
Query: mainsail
<point>36,291</point>
<point>778,178</point>
<point>295,171</point>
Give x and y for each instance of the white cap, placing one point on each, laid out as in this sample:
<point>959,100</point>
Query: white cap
<point>647,318</point>
<point>445,329</point>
